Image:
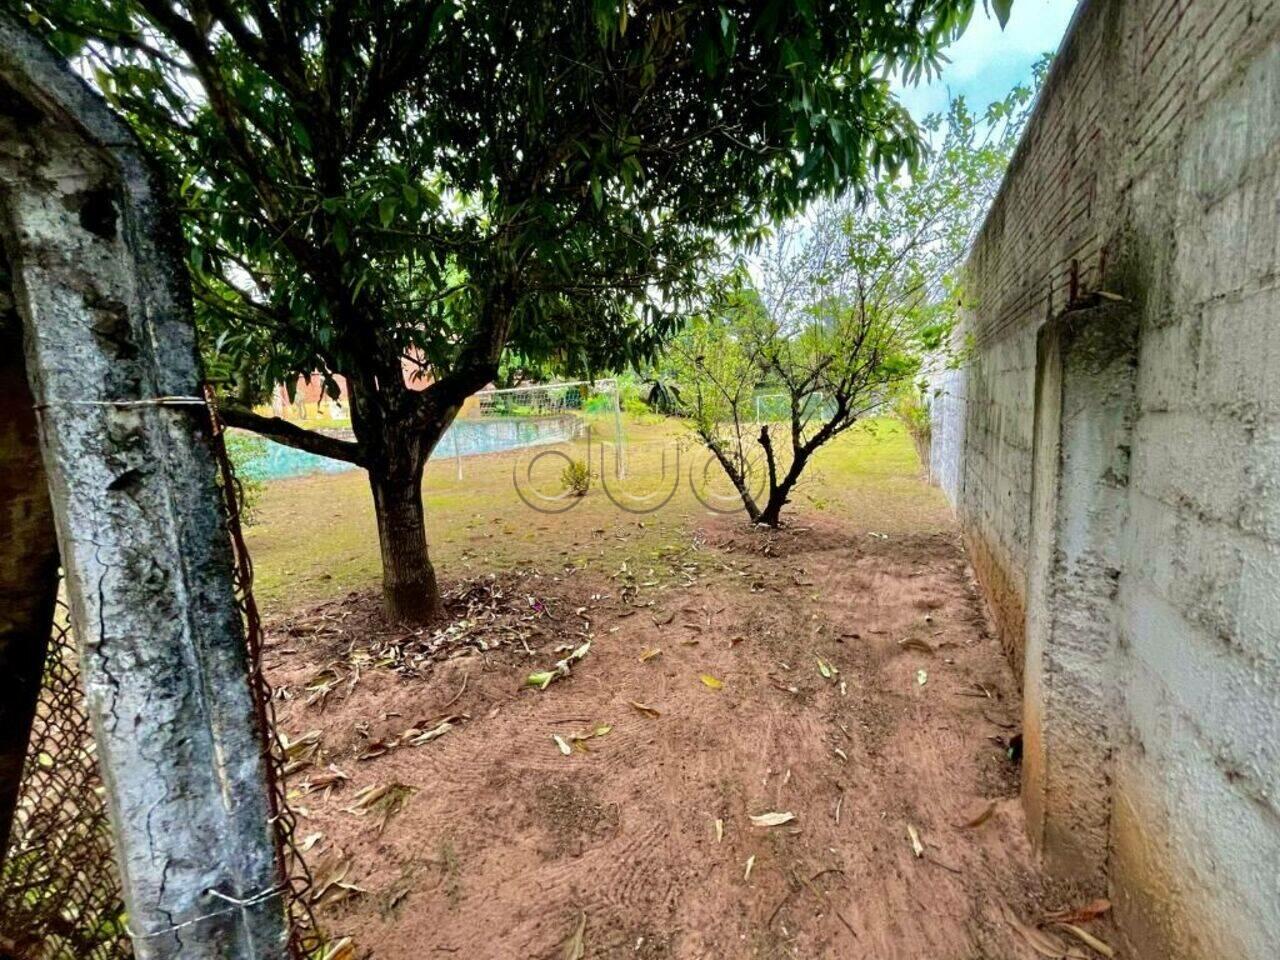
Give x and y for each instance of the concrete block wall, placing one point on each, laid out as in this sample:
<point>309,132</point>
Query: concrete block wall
<point>1151,170</point>
<point>946,413</point>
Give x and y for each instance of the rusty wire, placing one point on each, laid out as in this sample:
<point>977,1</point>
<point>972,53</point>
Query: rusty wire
<point>305,937</point>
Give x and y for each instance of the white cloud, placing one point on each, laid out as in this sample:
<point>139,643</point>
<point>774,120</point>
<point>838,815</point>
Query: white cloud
<point>987,61</point>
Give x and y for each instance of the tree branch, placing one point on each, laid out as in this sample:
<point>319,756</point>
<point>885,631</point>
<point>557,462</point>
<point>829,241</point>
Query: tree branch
<point>290,435</point>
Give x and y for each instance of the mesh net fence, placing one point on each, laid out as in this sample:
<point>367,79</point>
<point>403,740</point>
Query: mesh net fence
<point>59,893</point>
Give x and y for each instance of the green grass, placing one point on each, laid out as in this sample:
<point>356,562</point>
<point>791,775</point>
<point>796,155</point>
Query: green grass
<point>315,536</point>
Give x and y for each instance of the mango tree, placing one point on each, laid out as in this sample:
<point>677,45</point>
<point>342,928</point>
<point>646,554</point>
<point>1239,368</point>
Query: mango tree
<point>374,185</point>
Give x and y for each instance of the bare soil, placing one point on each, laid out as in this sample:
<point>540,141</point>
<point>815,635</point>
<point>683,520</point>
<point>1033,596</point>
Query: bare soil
<point>503,842</point>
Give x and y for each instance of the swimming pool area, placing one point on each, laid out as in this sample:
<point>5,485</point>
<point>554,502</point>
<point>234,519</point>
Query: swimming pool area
<point>266,460</point>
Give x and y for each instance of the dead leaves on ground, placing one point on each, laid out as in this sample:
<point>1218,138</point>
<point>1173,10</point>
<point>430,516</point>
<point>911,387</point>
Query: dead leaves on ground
<point>644,708</point>
<point>915,643</point>
<point>544,678</point>
<point>325,781</point>
<point>917,847</point>
<point>1088,939</point>
<point>981,817</point>
<point>415,736</point>
<point>329,881</point>
<point>300,753</point>
<point>575,945</point>
<point>382,802</point>
<point>1050,944</point>
<point>569,743</point>
<point>1090,911</point>
<point>342,949</point>
<point>773,818</point>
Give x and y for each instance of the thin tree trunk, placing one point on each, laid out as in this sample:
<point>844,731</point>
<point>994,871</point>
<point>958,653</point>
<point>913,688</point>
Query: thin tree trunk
<point>409,588</point>
<point>780,493</point>
<point>737,478</point>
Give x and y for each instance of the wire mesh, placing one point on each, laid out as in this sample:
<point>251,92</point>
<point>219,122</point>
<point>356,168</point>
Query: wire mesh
<point>59,892</point>
<point>532,401</point>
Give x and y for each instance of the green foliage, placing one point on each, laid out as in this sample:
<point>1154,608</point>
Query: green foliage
<point>242,449</point>
<point>910,406</point>
<point>599,403</point>
<point>367,180</point>
<point>842,311</point>
<point>576,477</point>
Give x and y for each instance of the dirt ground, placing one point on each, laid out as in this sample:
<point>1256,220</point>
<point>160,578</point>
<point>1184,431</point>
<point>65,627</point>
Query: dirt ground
<point>841,677</point>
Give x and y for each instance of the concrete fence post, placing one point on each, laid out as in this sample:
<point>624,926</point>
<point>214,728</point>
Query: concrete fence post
<point>100,289</point>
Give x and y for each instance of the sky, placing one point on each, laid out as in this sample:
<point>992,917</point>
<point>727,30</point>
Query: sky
<point>987,62</point>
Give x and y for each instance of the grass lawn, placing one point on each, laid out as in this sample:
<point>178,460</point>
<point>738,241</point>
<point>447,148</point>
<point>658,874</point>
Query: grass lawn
<point>314,537</point>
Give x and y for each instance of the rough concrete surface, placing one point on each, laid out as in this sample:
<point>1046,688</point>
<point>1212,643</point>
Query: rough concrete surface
<point>1151,172</point>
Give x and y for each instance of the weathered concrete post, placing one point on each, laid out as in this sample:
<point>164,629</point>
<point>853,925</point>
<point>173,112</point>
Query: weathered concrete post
<point>101,292</point>
<point>1084,408</point>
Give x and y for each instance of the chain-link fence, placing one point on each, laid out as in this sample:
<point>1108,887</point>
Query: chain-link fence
<point>59,893</point>
<point>59,890</point>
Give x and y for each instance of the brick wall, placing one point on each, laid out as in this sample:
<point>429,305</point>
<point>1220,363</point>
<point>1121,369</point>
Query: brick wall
<point>1151,170</point>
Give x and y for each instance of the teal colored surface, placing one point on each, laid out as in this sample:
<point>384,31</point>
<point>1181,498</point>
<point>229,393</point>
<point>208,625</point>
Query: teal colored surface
<point>268,460</point>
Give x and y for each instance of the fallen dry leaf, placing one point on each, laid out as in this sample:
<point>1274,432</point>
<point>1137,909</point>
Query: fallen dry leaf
<point>922,677</point>
<point>302,752</point>
<point>709,681</point>
<point>916,846</point>
<point>650,654</point>
<point>915,643</point>
<point>1038,940</point>
<point>309,841</point>
<point>981,817</point>
<point>344,949</point>
<point>751,862</point>
<point>1088,939</point>
<point>578,741</point>
<point>1090,911</point>
<point>383,801</point>
<point>544,678</point>
<point>719,831</point>
<point>439,730</point>
<point>575,947</point>
<point>645,708</point>
<point>377,748</point>
<point>773,819</point>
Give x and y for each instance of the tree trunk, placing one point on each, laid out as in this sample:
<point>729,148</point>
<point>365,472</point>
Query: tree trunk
<point>409,589</point>
<point>780,493</point>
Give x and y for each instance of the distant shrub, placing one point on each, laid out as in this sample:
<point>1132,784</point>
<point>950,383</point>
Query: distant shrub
<point>576,477</point>
<point>599,403</point>
<point>242,449</point>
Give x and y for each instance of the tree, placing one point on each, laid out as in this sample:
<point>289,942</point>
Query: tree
<point>840,310</point>
<point>371,184</point>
